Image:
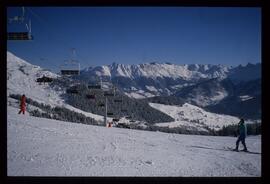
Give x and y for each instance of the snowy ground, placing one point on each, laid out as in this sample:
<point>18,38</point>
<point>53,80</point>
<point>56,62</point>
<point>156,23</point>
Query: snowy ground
<point>43,147</point>
<point>22,80</point>
<point>191,115</point>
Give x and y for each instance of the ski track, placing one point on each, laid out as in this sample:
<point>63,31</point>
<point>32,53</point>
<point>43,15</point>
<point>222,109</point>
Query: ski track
<point>42,147</point>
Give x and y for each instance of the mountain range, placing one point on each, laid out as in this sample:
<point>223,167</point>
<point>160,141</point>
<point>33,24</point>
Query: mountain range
<point>159,79</point>
<point>215,88</point>
<point>218,88</point>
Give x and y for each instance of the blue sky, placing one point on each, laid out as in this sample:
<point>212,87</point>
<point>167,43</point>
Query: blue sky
<point>132,35</point>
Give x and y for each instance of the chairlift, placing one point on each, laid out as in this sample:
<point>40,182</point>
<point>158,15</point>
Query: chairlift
<point>89,96</point>
<point>44,79</point>
<point>70,67</point>
<point>101,105</point>
<point>72,91</point>
<point>20,35</point>
<point>94,86</point>
<point>109,113</point>
<point>123,125</point>
<point>117,100</point>
<point>108,94</point>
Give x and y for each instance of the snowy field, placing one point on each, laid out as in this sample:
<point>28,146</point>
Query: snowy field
<point>43,147</point>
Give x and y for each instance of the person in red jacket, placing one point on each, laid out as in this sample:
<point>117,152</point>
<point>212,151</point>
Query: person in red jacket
<point>22,104</point>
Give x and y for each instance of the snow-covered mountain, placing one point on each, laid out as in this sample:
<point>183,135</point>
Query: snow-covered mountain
<point>151,79</point>
<point>246,73</point>
<point>157,79</point>
<point>21,79</point>
<point>44,147</point>
<point>206,93</point>
<point>190,115</point>
<point>245,101</point>
<point>160,70</point>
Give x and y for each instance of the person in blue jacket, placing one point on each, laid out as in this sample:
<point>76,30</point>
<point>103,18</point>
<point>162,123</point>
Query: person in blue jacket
<point>242,134</point>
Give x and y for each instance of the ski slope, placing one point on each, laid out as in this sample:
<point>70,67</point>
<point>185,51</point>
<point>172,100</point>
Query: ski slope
<point>45,147</point>
<point>191,115</point>
<point>22,80</point>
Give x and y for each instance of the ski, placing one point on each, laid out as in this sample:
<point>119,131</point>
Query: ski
<point>232,149</point>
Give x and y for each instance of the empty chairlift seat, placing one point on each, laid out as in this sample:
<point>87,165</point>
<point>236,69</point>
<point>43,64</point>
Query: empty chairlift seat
<point>108,93</point>
<point>44,79</point>
<point>118,100</point>
<point>19,36</point>
<point>94,86</point>
<point>21,22</point>
<point>101,105</point>
<point>89,96</point>
<point>70,72</point>
<point>72,91</point>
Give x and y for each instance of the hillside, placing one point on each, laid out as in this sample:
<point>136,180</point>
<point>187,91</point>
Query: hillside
<point>43,147</point>
<point>52,101</point>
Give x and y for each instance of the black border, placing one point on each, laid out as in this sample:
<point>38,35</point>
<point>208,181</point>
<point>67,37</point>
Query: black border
<point>182,3</point>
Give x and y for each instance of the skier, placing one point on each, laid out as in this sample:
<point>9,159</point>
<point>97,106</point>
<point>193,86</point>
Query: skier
<point>242,135</point>
<point>22,104</point>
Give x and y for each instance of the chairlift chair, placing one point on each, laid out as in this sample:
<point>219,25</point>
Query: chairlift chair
<point>94,86</point>
<point>72,91</point>
<point>44,79</point>
<point>117,100</point>
<point>20,35</point>
<point>108,94</point>
<point>101,105</point>
<point>89,96</point>
<point>110,114</point>
<point>70,72</point>
<point>70,67</point>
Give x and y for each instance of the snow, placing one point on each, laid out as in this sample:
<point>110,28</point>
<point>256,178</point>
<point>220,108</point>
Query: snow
<point>204,100</point>
<point>245,97</point>
<point>191,115</point>
<point>151,88</point>
<point>219,96</point>
<point>139,94</point>
<point>162,70</point>
<point>21,80</point>
<point>44,147</point>
<point>179,86</point>
<point>105,71</point>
